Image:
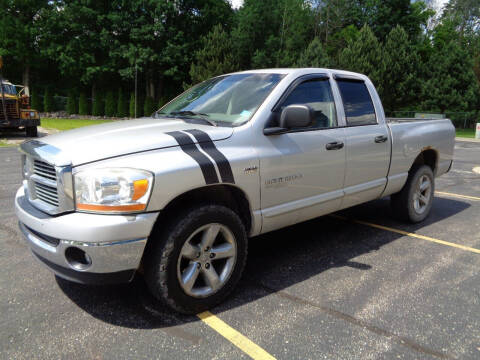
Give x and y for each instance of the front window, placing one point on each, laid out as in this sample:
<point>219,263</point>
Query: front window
<point>9,89</point>
<point>317,94</point>
<point>229,100</point>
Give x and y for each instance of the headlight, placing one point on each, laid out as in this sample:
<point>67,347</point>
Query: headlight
<point>112,190</point>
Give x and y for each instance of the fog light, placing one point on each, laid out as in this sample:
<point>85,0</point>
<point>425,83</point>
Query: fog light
<point>77,258</point>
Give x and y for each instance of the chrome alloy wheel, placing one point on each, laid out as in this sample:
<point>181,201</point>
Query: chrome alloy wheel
<point>423,194</point>
<point>207,260</point>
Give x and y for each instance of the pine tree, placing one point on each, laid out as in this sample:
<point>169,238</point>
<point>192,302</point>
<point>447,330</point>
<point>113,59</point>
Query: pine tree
<point>132,105</point>
<point>48,105</point>
<point>364,55</point>
<point>314,55</point>
<point>83,105</point>
<point>451,82</point>
<point>214,58</point>
<point>98,104</point>
<point>121,104</point>
<point>400,83</point>
<point>72,103</point>
<point>110,106</point>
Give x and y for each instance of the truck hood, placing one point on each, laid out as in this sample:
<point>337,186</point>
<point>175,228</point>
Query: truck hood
<point>97,142</point>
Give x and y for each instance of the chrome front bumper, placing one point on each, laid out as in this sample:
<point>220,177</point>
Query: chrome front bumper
<point>113,244</point>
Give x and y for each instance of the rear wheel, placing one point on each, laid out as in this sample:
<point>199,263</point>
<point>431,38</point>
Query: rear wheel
<point>195,263</point>
<point>31,131</point>
<point>414,201</point>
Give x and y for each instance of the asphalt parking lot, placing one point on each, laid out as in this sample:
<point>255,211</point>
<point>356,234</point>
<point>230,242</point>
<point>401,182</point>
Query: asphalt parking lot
<point>338,287</point>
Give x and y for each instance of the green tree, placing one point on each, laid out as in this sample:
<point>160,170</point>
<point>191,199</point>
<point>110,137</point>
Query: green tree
<point>400,82</point>
<point>48,105</point>
<point>215,57</point>
<point>272,33</point>
<point>83,105</point>
<point>72,33</point>
<point>18,33</point>
<point>72,102</point>
<point>98,107</point>
<point>121,104</point>
<point>314,55</point>
<point>451,83</point>
<point>110,105</point>
<point>384,15</point>
<point>364,55</point>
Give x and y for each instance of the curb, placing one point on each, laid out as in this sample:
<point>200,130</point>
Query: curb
<point>467,139</point>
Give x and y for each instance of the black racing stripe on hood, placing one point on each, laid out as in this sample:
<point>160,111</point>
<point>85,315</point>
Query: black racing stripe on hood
<point>209,147</point>
<point>189,148</point>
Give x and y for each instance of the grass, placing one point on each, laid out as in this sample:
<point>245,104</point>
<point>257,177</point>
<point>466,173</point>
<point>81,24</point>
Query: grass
<point>468,133</point>
<point>3,143</point>
<point>68,124</point>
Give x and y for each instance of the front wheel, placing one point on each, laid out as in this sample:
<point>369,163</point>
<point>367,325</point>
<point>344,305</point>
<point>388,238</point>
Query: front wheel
<point>195,263</point>
<point>414,201</point>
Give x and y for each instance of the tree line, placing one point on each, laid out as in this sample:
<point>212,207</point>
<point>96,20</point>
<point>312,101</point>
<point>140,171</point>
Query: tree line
<point>92,50</point>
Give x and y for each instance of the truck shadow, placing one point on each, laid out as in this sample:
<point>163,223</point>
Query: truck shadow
<point>277,260</point>
<point>18,135</point>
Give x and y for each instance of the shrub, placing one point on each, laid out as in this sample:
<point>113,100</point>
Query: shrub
<point>48,105</point>
<point>98,104</point>
<point>121,104</point>
<point>36,101</point>
<point>72,103</point>
<point>110,105</point>
<point>132,105</point>
<point>149,106</point>
<point>83,105</point>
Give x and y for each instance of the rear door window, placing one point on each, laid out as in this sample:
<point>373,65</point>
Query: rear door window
<point>357,102</point>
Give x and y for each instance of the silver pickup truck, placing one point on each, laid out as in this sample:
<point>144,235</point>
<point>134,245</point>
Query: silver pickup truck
<point>177,196</point>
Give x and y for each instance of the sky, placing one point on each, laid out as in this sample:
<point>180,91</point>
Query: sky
<point>236,3</point>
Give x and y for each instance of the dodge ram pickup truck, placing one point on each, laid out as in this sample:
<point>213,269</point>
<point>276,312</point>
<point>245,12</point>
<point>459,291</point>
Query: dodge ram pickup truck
<point>176,196</point>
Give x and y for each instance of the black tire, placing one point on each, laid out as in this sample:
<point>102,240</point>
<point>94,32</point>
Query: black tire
<point>31,131</point>
<point>403,202</point>
<point>164,250</point>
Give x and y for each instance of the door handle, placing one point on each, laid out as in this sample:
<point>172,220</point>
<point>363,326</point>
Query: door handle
<point>381,139</point>
<point>334,145</point>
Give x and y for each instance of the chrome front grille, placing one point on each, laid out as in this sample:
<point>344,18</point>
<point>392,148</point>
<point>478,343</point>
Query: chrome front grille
<point>45,170</point>
<point>46,193</point>
<point>47,178</point>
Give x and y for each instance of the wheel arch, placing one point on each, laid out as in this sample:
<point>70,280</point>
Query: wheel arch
<point>222,194</point>
<point>428,156</point>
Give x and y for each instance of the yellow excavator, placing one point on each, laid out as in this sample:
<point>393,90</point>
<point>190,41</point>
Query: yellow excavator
<point>15,111</point>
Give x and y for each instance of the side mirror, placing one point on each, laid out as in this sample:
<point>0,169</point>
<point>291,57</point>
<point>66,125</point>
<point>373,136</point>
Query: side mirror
<point>296,116</point>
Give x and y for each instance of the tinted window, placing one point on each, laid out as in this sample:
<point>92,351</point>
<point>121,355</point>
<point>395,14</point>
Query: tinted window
<point>318,95</point>
<point>357,102</point>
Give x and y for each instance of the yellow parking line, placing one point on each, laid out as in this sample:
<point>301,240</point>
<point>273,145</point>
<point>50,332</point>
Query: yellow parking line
<point>232,335</point>
<point>423,237</point>
<point>458,195</point>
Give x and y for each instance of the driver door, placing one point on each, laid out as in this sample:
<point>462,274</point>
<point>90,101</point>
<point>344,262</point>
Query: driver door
<point>301,173</point>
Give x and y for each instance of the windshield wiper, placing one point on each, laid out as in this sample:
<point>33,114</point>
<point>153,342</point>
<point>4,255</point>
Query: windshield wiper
<point>194,113</point>
<point>188,112</point>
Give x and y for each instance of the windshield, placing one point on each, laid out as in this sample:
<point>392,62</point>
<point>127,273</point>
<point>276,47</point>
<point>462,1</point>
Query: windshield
<point>9,89</point>
<point>228,100</point>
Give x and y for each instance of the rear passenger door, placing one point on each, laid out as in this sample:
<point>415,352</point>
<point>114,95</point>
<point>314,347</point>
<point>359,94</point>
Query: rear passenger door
<point>367,143</point>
